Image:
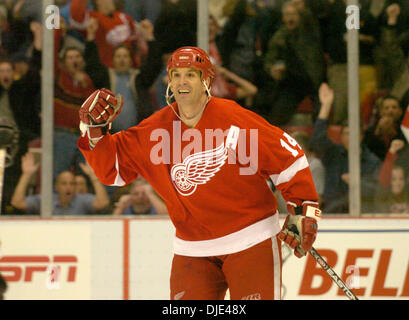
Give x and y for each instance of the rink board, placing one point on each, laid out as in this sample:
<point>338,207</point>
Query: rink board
<point>116,258</point>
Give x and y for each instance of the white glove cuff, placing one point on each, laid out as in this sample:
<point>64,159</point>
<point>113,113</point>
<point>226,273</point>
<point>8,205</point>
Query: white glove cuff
<point>313,212</point>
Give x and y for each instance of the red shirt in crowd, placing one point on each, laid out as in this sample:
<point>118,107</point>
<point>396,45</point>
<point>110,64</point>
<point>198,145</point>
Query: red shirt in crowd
<point>113,30</point>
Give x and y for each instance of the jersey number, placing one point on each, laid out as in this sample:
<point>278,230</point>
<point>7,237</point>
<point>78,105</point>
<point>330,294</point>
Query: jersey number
<point>292,142</point>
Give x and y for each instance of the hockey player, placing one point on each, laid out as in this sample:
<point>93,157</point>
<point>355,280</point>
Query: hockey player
<point>228,234</point>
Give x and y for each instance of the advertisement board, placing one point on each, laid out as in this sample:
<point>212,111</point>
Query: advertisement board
<point>46,261</point>
<point>62,258</point>
<point>130,258</point>
<point>371,256</point>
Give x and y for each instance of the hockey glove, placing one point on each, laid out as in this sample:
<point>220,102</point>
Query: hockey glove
<point>98,112</point>
<point>299,231</point>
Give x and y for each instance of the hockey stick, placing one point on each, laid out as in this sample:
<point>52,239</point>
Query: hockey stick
<point>341,284</point>
<point>321,261</point>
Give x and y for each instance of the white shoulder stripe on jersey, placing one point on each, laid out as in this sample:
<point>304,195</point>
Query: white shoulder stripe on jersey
<point>306,202</point>
<point>290,172</point>
<point>119,182</point>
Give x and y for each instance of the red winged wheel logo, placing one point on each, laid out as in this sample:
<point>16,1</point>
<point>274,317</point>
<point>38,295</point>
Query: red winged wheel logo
<point>197,169</point>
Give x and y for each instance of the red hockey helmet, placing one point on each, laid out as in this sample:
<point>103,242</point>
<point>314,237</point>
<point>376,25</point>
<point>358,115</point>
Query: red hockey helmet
<point>191,57</point>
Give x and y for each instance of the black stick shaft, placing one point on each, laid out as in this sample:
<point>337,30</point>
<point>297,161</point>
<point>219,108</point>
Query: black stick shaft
<point>341,284</point>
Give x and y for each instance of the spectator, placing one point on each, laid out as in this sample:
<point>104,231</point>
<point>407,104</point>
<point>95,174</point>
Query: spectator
<point>389,162</point>
<point>3,287</point>
<point>19,110</point>
<point>216,10</point>
<point>9,136</point>
<point>238,39</point>
<point>141,200</point>
<point>379,136</point>
<point>335,160</point>
<point>15,35</point>
<point>171,34</point>
<point>132,84</point>
<point>227,84</point>
<point>398,154</point>
<point>9,141</point>
<point>142,9</point>
<point>335,46</point>
<point>21,64</point>
<point>114,28</point>
<point>395,198</point>
<point>168,29</point>
<point>81,184</point>
<point>82,180</point>
<point>72,86</point>
<point>5,35</point>
<point>295,63</point>
<point>268,22</point>
<point>316,166</point>
<point>392,48</point>
<point>17,98</point>
<point>26,10</point>
<point>75,32</point>
<point>65,201</point>
<point>308,18</point>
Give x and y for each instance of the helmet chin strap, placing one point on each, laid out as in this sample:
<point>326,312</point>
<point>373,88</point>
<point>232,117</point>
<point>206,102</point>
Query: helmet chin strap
<point>169,97</point>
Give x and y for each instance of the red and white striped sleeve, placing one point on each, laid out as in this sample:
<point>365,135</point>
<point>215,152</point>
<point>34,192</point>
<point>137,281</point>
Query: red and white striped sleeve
<point>284,162</point>
<point>113,162</point>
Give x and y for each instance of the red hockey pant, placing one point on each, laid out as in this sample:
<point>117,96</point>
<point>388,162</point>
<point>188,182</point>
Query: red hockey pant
<point>254,273</point>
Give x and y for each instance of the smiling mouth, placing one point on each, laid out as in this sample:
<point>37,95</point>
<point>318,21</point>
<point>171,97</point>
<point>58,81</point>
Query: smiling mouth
<point>183,92</point>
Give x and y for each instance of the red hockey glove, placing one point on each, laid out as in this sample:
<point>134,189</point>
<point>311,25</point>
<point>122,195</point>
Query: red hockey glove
<point>299,231</point>
<point>98,112</point>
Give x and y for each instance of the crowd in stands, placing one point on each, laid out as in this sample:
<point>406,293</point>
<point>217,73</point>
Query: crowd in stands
<point>283,59</point>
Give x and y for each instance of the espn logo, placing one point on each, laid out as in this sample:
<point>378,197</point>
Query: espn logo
<point>23,268</point>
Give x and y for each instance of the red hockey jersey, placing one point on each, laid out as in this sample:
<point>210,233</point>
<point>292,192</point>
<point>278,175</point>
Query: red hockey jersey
<point>213,177</point>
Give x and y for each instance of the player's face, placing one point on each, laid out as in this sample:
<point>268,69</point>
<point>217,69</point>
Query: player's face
<point>65,186</point>
<point>397,181</point>
<point>187,86</point>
